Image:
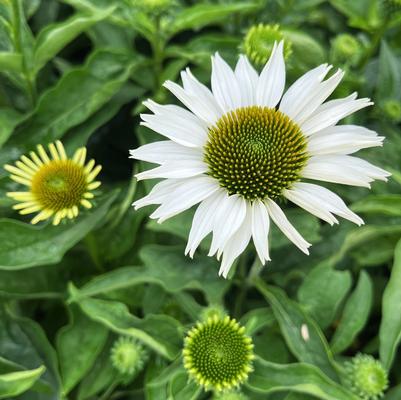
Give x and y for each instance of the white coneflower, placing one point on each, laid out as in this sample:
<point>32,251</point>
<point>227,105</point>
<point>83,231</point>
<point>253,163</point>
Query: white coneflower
<point>244,145</point>
<point>57,185</point>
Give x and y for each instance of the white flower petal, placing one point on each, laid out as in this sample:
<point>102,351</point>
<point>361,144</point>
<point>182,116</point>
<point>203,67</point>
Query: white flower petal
<point>302,90</point>
<point>286,227</point>
<point>203,221</point>
<point>272,79</point>
<point>182,128</point>
<point>349,129</point>
<point>260,230</point>
<point>237,243</point>
<point>343,169</point>
<point>160,192</point>
<point>167,110</point>
<point>229,217</point>
<point>310,203</point>
<point>322,92</point>
<point>188,193</point>
<point>198,104</point>
<point>363,166</point>
<point>174,169</point>
<point>165,151</point>
<point>340,143</point>
<point>224,85</point>
<point>328,114</point>
<point>247,79</point>
<point>327,199</point>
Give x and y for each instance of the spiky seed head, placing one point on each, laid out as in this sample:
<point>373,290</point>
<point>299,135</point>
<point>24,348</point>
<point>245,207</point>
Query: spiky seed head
<point>128,356</point>
<point>366,377</point>
<point>259,41</point>
<point>217,353</point>
<point>255,152</point>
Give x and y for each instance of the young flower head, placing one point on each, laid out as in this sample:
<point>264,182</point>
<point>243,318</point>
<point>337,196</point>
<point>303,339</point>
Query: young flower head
<point>128,356</point>
<point>218,354</point>
<point>259,43</point>
<point>212,311</point>
<point>366,377</point>
<point>57,185</point>
<point>246,145</point>
<point>346,48</point>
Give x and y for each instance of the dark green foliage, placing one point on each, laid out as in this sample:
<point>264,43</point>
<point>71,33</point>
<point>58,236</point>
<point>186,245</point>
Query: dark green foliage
<point>78,71</point>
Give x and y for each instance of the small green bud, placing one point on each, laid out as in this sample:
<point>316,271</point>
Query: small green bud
<point>366,377</point>
<point>392,109</point>
<point>218,354</point>
<point>128,356</point>
<point>211,311</point>
<point>346,48</point>
<point>259,41</point>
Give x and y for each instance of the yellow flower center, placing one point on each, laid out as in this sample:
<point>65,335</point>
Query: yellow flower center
<point>255,152</point>
<point>59,184</point>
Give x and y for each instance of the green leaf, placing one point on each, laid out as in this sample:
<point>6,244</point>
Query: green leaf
<point>200,15</point>
<point>363,14</point>
<point>322,292</point>
<point>84,334</point>
<point>9,119</point>
<point>19,333</point>
<point>256,320</point>
<point>268,377</point>
<point>393,394</point>
<point>390,327</point>
<point>78,95</point>
<point>24,245</point>
<point>181,389</point>
<point>389,75</point>
<point>14,383</point>
<point>161,333</point>
<point>382,204</point>
<point>307,51</point>
<point>366,237</point>
<point>56,36</point>
<point>101,375</point>
<point>294,322</point>
<point>164,267</point>
<point>40,282</point>
<point>10,62</point>
<point>355,315</point>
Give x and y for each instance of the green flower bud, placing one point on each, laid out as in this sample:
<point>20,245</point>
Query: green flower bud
<point>128,356</point>
<point>217,353</point>
<point>346,48</point>
<point>211,311</point>
<point>392,109</point>
<point>366,377</point>
<point>259,41</point>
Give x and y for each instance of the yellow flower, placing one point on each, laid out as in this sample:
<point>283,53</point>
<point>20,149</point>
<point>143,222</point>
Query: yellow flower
<point>57,185</point>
